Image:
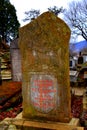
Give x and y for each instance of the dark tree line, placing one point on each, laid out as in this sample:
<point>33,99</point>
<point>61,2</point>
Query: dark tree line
<point>8,21</point>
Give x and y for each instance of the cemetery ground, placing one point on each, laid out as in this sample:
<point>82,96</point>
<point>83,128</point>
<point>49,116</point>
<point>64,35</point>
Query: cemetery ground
<point>11,101</point>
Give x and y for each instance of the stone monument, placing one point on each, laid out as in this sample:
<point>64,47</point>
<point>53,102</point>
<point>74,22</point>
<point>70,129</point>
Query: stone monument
<point>44,46</point>
<point>15,61</point>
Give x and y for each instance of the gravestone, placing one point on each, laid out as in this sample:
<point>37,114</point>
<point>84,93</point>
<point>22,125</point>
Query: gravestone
<point>44,45</point>
<point>15,61</point>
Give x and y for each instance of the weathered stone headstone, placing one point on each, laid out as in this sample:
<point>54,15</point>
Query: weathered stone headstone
<point>44,45</point>
<point>15,60</point>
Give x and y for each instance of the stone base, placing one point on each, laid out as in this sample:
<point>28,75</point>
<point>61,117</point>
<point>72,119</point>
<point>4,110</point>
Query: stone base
<point>25,124</point>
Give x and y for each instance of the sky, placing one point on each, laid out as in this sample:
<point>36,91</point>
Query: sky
<point>26,5</point>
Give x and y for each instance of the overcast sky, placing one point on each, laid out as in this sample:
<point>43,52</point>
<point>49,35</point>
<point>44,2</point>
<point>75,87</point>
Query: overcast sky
<point>26,5</point>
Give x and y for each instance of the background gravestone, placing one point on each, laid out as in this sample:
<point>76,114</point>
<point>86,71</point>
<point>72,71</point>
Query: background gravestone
<point>15,61</point>
<point>44,45</point>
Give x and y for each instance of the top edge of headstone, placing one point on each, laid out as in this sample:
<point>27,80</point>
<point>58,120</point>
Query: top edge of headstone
<point>45,29</point>
<point>46,15</point>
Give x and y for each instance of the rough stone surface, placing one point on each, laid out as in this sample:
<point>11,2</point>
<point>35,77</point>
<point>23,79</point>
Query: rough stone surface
<point>44,45</point>
<point>15,61</point>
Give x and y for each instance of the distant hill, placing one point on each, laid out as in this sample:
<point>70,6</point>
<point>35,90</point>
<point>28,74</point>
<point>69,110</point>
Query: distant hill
<point>78,46</point>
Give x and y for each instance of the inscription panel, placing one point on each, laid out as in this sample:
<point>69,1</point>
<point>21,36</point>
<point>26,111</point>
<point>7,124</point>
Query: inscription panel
<point>43,92</point>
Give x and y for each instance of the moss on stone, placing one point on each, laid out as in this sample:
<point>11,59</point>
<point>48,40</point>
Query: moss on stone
<point>44,45</point>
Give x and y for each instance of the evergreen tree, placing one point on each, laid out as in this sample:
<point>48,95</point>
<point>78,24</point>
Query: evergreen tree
<point>8,21</point>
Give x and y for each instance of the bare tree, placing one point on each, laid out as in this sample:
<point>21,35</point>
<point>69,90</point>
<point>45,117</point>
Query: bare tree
<point>76,17</point>
<point>31,15</point>
<point>56,10</point>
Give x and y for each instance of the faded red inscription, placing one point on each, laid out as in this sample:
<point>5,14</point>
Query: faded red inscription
<point>43,93</point>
